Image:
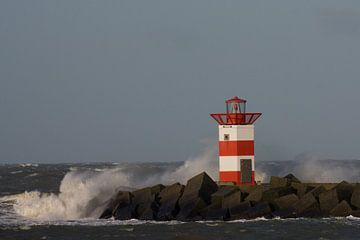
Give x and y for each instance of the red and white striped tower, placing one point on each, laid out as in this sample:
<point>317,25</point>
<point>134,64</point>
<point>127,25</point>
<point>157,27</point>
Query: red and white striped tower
<point>236,143</point>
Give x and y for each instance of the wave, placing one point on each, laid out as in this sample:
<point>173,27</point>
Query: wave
<point>84,192</point>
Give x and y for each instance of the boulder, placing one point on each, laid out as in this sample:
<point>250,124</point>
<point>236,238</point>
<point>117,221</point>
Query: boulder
<point>343,209</point>
<point>196,196</point>
<point>278,182</point>
<point>328,200</point>
<point>255,195</point>
<point>355,213</point>
<point>285,213</point>
<point>119,200</point>
<point>274,193</point>
<point>286,201</point>
<point>259,210</point>
<point>239,211</point>
<point>168,200</point>
<point>317,191</point>
<point>223,192</point>
<point>215,214</point>
<point>286,181</point>
<point>123,213</point>
<point>292,179</point>
<point>355,198</point>
<point>305,204</point>
<point>145,202</point>
<point>301,188</point>
<point>231,200</point>
<point>344,191</point>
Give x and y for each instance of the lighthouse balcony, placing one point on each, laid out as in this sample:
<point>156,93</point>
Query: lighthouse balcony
<point>235,118</point>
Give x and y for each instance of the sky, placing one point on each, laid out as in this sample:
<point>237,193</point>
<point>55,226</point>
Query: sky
<point>123,81</point>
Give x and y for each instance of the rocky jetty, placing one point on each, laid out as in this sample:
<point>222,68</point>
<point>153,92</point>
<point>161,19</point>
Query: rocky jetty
<point>203,199</point>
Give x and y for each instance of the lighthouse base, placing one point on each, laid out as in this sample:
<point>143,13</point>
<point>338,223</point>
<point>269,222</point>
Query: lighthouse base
<point>235,177</point>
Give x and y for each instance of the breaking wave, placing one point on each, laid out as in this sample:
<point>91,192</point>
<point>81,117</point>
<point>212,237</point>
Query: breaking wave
<point>84,192</point>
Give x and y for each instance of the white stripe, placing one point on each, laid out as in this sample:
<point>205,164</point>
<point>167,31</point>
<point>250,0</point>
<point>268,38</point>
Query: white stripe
<point>232,163</point>
<point>236,132</point>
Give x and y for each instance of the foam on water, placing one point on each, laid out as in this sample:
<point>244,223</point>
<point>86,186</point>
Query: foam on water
<point>84,192</point>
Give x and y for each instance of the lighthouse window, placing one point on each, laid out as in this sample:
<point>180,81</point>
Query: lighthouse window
<point>226,137</point>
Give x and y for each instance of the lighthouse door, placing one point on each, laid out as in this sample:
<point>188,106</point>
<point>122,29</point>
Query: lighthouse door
<point>245,166</point>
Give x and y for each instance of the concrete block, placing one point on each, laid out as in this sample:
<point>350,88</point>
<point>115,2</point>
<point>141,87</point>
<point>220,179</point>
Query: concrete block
<point>343,209</point>
<point>328,200</point>
<point>286,201</point>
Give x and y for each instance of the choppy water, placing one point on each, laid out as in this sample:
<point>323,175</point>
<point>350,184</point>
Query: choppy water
<point>62,201</point>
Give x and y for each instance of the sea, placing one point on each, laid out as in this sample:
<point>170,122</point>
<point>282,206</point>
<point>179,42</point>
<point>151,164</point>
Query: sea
<point>64,201</point>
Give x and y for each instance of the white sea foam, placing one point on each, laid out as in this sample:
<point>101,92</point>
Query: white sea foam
<point>84,194</point>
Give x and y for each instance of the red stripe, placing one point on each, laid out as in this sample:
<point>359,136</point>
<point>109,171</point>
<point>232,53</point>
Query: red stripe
<point>236,148</point>
<point>230,176</point>
<point>235,177</point>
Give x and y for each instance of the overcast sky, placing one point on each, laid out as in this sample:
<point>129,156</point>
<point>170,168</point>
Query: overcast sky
<point>84,81</point>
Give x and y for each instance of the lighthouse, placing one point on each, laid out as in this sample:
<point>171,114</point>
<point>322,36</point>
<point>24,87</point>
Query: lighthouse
<point>236,143</point>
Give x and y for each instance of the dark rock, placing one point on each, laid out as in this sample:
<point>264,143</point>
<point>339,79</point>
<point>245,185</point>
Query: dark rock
<point>168,200</point>
<point>307,202</point>
<point>355,213</point>
<point>124,213</point>
<point>285,213</point>
<point>232,200</point>
<point>215,214</point>
<point>190,208</point>
<point>301,188</point>
<point>274,193</point>
<point>343,209</point>
<point>119,200</point>
<point>328,200</point>
<point>260,210</point>
<point>317,191</point>
<point>355,198</point>
<point>255,195</point>
<point>223,192</point>
<point>344,191</point>
<point>238,211</point>
<point>278,182</point>
<point>292,179</point>
<point>145,202</point>
<point>313,212</point>
<point>286,201</point>
<point>201,185</point>
<point>196,196</point>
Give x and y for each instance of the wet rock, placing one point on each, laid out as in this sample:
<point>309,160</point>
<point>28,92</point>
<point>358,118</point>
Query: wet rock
<point>260,210</point>
<point>355,213</point>
<point>119,200</point>
<point>274,193</point>
<point>223,192</point>
<point>292,179</point>
<point>255,195</point>
<point>232,200</point>
<point>355,198</point>
<point>285,213</point>
<point>328,200</point>
<point>301,188</point>
<point>344,191</point>
<point>123,213</point>
<point>343,209</point>
<point>286,181</point>
<point>239,211</point>
<point>145,202</point>
<point>317,191</point>
<point>168,200</point>
<point>278,182</point>
<point>286,201</point>
<point>196,196</point>
<point>305,204</point>
<point>215,214</point>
